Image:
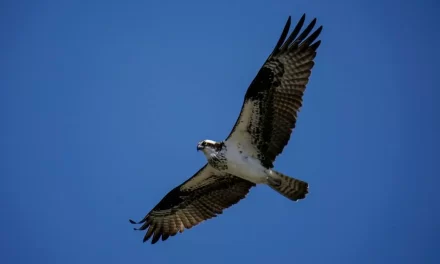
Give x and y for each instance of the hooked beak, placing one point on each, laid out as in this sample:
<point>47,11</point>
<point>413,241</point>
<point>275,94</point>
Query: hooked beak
<point>199,147</point>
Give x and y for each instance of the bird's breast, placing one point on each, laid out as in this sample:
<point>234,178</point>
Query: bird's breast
<point>218,161</point>
<point>244,166</point>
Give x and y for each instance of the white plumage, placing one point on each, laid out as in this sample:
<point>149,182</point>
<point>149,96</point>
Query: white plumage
<point>238,161</point>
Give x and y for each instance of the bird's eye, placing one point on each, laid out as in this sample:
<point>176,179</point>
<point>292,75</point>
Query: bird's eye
<point>203,143</point>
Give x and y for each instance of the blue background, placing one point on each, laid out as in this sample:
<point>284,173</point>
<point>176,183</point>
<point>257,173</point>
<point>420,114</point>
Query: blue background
<point>103,103</point>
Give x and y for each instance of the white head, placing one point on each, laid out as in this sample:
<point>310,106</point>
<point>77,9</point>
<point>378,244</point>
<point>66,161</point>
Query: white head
<point>209,146</point>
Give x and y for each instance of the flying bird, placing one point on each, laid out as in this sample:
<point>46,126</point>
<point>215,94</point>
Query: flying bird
<point>245,158</point>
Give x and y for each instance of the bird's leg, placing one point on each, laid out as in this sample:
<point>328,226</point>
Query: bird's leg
<point>272,181</point>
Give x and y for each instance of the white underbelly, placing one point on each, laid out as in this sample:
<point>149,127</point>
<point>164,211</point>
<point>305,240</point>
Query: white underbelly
<point>246,168</point>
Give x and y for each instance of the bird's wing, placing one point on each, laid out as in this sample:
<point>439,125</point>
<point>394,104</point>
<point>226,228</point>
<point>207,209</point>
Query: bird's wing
<point>203,196</point>
<point>273,99</point>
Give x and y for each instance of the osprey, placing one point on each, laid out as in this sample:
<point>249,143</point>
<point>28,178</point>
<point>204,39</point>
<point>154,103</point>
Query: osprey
<point>245,158</point>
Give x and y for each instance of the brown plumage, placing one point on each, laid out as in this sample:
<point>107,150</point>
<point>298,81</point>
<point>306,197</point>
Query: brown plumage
<point>203,196</point>
<point>274,97</point>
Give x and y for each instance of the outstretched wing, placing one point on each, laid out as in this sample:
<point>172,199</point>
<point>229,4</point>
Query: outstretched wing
<point>274,98</point>
<point>203,196</point>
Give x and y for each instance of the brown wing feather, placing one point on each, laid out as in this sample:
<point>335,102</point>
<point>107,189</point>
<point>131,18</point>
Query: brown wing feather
<point>203,196</point>
<point>274,98</point>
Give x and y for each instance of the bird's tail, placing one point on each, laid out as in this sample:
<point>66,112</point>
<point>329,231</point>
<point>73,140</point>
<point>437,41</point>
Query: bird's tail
<point>289,187</point>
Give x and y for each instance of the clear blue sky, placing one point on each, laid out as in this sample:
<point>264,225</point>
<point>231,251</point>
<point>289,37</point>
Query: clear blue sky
<point>103,103</point>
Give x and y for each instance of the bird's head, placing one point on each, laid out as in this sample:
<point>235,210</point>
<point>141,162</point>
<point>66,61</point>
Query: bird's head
<point>209,146</point>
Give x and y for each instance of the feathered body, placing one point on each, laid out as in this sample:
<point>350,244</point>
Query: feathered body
<point>233,159</point>
<point>262,130</point>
